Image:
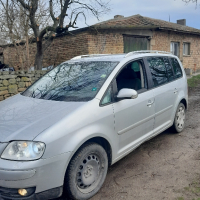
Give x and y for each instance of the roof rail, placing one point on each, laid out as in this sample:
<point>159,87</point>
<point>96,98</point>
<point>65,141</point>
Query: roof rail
<point>89,55</point>
<point>146,51</point>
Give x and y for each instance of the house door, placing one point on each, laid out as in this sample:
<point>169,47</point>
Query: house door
<point>135,43</point>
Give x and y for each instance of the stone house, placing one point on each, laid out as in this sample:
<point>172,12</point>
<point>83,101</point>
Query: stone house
<point>119,35</point>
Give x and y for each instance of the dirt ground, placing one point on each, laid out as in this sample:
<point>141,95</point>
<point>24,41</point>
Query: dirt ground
<point>166,167</point>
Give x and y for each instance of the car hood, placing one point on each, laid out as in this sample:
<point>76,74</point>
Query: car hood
<point>23,118</point>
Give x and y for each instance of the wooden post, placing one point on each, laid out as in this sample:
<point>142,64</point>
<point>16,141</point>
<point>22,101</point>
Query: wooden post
<point>195,65</point>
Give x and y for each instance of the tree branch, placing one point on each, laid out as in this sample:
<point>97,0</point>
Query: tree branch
<point>26,6</point>
<point>71,24</point>
<point>51,10</point>
<point>45,30</point>
<point>63,13</point>
<point>88,7</point>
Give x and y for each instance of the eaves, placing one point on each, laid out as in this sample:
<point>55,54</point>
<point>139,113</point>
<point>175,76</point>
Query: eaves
<point>179,31</point>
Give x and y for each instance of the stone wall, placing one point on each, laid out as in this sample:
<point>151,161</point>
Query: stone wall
<point>12,83</point>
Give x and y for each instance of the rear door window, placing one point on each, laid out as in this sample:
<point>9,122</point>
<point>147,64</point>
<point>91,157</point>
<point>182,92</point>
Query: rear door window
<point>176,67</point>
<point>158,70</point>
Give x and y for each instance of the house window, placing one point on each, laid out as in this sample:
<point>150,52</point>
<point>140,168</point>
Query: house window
<point>186,49</point>
<point>175,48</point>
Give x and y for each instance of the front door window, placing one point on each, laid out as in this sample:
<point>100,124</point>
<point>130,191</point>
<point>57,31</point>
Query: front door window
<point>132,76</point>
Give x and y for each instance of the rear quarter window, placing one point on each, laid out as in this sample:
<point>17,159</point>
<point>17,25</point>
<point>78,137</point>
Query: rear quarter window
<point>177,68</point>
<point>169,69</point>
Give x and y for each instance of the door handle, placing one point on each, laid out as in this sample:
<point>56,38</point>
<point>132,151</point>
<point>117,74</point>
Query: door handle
<point>150,103</point>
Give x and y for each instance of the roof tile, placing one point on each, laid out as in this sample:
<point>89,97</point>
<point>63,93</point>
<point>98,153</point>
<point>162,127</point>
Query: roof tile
<point>141,21</point>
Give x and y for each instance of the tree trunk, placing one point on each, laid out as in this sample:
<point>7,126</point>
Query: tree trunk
<point>39,56</point>
<point>27,52</point>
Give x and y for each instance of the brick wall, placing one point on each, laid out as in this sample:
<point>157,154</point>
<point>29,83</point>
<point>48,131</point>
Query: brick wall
<point>66,47</point>
<point>161,41</point>
<point>61,49</point>
<point>92,42</point>
<point>105,42</point>
<point>12,83</point>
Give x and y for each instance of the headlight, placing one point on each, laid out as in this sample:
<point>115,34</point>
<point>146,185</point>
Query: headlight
<point>23,150</point>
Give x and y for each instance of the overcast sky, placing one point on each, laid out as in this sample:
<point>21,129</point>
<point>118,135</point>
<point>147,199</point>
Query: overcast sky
<point>158,9</point>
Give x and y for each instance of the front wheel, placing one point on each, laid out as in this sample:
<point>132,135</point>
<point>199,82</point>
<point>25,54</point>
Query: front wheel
<point>86,172</point>
<point>179,120</point>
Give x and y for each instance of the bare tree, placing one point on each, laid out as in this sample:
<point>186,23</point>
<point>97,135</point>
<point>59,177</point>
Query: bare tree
<point>15,27</point>
<point>192,1</point>
<point>63,15</point>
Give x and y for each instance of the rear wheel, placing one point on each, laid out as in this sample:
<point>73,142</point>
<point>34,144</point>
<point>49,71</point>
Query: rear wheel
<point>86,172</point>
<point>179,120</point>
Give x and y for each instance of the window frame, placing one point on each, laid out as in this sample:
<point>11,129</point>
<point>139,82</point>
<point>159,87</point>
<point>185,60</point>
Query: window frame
<point>150,75</point>
<point>117,62</point>
<point>149,71</point>
<point>175,78</point>
<point>188,43</point>
<point>172,50</point>
<point>168,58</point>
<point>115,89</point>
<point>113,83</point>
<point>147,75</point>
<point>112,96</point>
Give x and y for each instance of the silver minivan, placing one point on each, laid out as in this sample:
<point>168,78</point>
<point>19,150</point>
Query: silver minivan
<point>60,135</point>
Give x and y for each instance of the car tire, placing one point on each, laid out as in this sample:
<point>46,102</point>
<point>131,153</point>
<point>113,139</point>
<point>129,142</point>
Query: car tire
<point>86,172</point>
<point>179,119</point>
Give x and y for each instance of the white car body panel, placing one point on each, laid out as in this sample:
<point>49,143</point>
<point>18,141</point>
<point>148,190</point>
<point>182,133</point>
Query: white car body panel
<point>65,126</point>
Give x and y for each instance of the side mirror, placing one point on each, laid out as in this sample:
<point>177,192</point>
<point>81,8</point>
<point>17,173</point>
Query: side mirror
<point>127,94</point>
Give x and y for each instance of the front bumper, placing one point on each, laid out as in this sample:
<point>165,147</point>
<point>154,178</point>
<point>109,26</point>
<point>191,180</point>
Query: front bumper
<point>10,194</point>
<point>43,174</point>
<point>16,175</point>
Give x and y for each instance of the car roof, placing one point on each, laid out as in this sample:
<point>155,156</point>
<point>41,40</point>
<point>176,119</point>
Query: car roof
<point>119,57</point>
<point>98,57</point>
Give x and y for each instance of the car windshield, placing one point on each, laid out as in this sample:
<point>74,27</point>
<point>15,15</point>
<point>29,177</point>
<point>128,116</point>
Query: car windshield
<point>72,81</point>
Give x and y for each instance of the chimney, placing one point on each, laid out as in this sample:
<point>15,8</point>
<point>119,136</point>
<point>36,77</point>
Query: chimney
<point>181,22</point>
<point>118,16</point>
